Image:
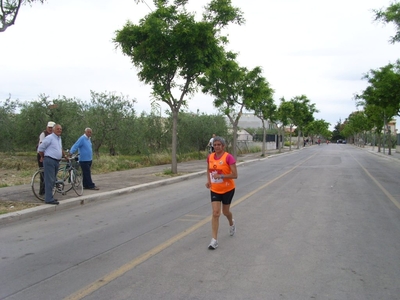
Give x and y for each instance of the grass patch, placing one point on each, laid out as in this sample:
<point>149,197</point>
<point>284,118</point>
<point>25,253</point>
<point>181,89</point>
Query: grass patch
<point>168,172</point>
<point>255,149</point>
<point>17,161</point>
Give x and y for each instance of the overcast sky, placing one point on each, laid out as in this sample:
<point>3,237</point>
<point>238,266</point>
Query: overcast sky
<point>318,48</point>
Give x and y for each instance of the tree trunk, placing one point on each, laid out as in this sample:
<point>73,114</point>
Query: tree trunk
<point>279,138</point>
<point>97,149</point>
<point>379,143</point>
<point>234,146</point>
<point>263,144</point>
<point>174,162</point>
<point>298,139</point>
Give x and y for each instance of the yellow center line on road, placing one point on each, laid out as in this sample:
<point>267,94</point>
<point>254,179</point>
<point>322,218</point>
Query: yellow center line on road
<point>391,198</point>
<point>87,290</point>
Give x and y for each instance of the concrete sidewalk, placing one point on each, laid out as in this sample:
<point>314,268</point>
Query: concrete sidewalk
<point>395,155</point>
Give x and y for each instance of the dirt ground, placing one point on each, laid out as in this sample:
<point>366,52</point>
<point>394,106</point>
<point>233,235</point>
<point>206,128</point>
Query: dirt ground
<point>9,206</point>
<point>10,178</point>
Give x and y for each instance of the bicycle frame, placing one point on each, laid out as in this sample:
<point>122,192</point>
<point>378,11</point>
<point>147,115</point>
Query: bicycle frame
<point>68,177</point>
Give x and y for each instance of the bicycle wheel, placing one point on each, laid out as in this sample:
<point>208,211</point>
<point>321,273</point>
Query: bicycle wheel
<point>76,179</point>
<point>63,175</point>
<point>37,184</point>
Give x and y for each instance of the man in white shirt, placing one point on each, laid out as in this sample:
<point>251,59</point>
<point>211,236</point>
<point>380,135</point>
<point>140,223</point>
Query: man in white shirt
<point>43,134</point>
<point>51,152</point>
<point>211,144</point>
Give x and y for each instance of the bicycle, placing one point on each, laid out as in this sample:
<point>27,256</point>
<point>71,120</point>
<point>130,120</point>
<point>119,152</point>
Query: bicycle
<point>69,176</point>
<point>210,149</point>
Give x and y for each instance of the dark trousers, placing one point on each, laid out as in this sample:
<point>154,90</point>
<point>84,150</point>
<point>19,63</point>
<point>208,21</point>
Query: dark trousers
<point>50,176</point>
<point>86,174</point>
<point>40,164</point>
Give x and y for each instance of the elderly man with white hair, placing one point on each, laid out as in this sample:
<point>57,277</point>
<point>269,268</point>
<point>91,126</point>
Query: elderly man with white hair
<point>51,152</point>
<point>84,146</point>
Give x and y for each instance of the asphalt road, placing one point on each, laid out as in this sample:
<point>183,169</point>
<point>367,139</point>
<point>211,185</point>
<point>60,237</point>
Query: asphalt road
<point>320,223</point>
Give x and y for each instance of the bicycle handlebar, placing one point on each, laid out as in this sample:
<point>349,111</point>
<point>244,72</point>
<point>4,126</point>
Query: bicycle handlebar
<point>70,158</point>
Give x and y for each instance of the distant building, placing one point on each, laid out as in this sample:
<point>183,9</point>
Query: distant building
<point>243,135</point>
<point>287,129</point>
<point>392,126</point>
<point>249,120</point>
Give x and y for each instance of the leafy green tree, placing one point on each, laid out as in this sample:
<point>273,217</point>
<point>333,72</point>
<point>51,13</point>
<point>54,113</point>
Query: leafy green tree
<point>151,135</point>
<point>384,88</point>
<point>9,10</point>
<point>383,91</point>
<point>34,115</point>
<point>265,110</point>
<point>66,111</point>
<point>31,121</point>
<point>171,50</point>
<point>195,130</point>
<point>286,117</point>
<point>336,134</point>
<point>318,128</point>
<point>303,114</point>
<point>8,124</point>
<point>112,118</point>
<point>390,15</point>
<point>375,115</point>
<point>356,126</point>
<point>377,121</point>
<point>235,88</point>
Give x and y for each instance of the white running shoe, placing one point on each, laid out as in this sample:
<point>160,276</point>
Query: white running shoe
<point>232,229</point>
<point>213,245</point>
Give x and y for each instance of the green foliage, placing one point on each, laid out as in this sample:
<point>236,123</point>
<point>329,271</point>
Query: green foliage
<point>8,124</point>
<point>167,172</point>
<point>390,15</point>
<point>116,128</point>
<point>34,115</point>
<point>286,112</point>
<point>318,128</point>
<point>383,90</point>
<point>152,135</point>
<point>171,50</point>
<point>195,130</point>
<point>234,89</point>
<point>287,144</point>
<point>221,12</point>
<point>298,112</point>
<point>112,119</point>
<point>336,133</point>
<point>303,111</point>
<point>358,122</point>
